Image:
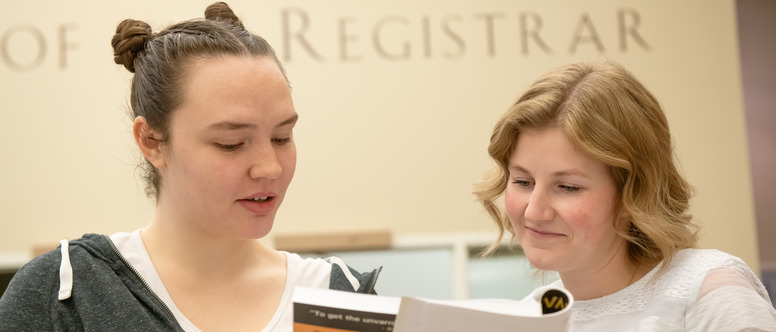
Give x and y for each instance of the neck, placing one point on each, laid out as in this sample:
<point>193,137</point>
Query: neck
<point>178,244</point>
<point>615,276</point>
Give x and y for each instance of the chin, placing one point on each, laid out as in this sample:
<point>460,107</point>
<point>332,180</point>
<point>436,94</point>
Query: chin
<point>259,232</point>
<point>254,230</point>
<point>540,259</point>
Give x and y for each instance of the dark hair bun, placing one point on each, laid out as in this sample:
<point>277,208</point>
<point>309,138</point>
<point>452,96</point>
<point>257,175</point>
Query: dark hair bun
<point>130,38</point>
<point>220,11</point>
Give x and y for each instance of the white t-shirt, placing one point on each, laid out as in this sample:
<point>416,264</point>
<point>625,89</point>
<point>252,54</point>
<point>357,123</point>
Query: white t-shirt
<point>702,290</point>
<point>307,272</point>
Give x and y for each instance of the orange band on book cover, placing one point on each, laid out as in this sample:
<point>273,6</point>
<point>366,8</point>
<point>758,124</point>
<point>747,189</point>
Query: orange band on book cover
<point>299,327</point>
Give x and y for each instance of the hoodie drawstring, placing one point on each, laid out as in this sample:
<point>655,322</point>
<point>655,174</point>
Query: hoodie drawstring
<point>344,267</point>
<point>65,273</point>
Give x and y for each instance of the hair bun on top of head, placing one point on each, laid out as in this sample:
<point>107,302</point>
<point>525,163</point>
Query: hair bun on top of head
<point>220,11</point>
<point>130,38</point>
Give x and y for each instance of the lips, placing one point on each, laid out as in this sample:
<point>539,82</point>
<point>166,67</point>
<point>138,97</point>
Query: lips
<point>542,233</point>
<point>259,203</point>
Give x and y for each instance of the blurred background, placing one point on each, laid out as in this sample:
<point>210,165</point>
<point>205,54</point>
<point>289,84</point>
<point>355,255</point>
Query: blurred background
<point>396,101</point>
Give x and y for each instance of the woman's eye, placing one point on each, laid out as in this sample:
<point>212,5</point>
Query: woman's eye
<point>569,188</point>
<point>522,183</point>
<point>229,147</point>
<point>281,141</point>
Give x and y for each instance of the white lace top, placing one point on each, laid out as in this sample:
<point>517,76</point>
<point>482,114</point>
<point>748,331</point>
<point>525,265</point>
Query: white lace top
<point>702,290</point>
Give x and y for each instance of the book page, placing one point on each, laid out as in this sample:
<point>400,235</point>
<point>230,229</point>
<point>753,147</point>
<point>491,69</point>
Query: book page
<point>324,310</point>
<point>420,315</point>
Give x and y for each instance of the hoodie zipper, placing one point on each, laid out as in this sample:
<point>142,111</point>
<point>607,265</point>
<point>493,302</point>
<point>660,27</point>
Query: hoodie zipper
<point>145,284</point>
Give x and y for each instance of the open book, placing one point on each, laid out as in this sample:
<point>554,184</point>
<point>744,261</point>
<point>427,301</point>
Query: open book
<point>323,310</point>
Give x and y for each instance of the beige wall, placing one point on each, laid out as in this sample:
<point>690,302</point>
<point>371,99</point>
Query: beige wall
<point>397,100</point>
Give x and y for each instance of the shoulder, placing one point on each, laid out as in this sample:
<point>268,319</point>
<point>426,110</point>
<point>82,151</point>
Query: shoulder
<point>721,269</point>
<point>344,277</point>
<point>308,272</point>
<point>695,264</point>
<point>42,274</point>
<point>730,297</point>
<point>689,268</point>
<point>700,272</point>
<point>331,272</point>
<point>92,252</point>
<point>705,259</point>
<point>27,302</point>
<point>306,265</point>
<point>33,291</point>
<point>46,266</point>
<point>38,275</point>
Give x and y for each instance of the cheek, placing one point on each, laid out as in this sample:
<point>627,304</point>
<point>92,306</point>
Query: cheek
<point>288,162</point>
<point>515,205</point>
<point>206,175</point>
<point>591,217</point>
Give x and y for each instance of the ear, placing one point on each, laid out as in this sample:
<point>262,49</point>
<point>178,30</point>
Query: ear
<point>149,142</point>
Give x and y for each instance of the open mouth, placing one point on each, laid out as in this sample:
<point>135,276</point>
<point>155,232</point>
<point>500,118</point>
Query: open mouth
<point>259,204</point>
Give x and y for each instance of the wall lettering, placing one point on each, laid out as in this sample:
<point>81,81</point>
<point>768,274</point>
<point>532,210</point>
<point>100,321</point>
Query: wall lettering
<point>629,22</point>
<point>586,27</point>
<point>402,52</point>
<point>23,31</point>
<point>65,44</point>
<point>296,33</point>
<point>391,37</point>
<point>453,36</point>
<point>402,38</point>
<point>490,34</point>
<point>36,47</point>
<point>530,29</point>
<point>346,38</point>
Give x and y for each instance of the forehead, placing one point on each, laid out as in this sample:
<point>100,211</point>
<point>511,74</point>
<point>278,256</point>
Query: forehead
<point>552,150</point>
<point>550,139</point>
<point>232,74</point>
<point>234,88</point>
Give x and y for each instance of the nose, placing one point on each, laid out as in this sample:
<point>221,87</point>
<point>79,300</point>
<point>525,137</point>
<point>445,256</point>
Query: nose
<point>265,164</point>
<point>540,206</point>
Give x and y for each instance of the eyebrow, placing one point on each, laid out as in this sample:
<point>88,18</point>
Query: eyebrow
<point>560,173</point>
<point>231,125</point>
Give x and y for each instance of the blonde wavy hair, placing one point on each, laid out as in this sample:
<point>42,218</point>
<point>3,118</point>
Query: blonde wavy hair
<point>607,112</point>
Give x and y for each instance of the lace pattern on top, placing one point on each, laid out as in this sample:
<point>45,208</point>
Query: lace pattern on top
<point>683,278</point>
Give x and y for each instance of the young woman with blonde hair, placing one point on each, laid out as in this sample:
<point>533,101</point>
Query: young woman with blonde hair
<point>591,189</point>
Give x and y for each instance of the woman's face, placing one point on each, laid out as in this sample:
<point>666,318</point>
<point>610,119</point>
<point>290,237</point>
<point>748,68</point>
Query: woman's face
<point>230,155</point>
<point>561,204</point>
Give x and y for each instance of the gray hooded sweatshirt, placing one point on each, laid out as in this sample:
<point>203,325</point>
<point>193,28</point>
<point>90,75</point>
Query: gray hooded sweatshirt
<point>95,289</point>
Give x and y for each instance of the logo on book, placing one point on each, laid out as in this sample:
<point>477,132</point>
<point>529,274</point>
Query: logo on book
<point>553,300</point>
